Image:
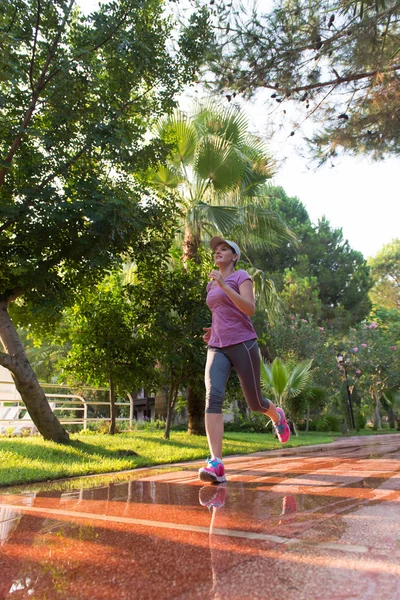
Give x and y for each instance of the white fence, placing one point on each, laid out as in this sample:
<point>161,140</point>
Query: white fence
<point>13,412</point>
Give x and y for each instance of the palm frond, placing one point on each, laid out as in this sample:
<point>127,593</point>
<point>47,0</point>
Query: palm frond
<point>259,167</point>
<point>217,160</point>
<point>266,377</point>
<point>165,177</point>
<point>280,376</point>
<point>392,398</point>
<point>264,228</point>
<point>230,123</point>
<point>265,292</point>
<point>222,218</point>
<point>179,131</point>
<point>299,378</point>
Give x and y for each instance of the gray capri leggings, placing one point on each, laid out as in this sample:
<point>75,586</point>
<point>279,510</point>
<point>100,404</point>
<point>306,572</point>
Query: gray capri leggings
<point>245,359</point>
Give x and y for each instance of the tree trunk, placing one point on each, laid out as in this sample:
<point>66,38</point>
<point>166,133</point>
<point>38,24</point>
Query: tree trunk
<point>172,397</point>
<point>308,420</point>
<point>377,416</point>
<point>391,417</point>
<point>113,408</point>
<point>191,244</point>
<point>195,403</point>
<point>242,407</point>
<point>26,382</point>
<point>195,406</point>
<point>161,404</point>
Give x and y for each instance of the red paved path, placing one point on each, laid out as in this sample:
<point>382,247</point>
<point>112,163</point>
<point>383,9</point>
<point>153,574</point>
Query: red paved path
<point>298,524</point>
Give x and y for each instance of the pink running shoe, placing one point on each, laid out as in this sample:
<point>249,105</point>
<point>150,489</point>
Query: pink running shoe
<point>214,472</point>
<point>213,496</point>
<point>282,429</point>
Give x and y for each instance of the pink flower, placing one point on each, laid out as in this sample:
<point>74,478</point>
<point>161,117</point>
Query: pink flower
<point>355,349</point>
<point>304,321</point>
<point>322,328</point>
<point>394,347</point>
<point>293,317</point>
<point>364,345</point>
<point>373,325</point>
<point>358,372</point>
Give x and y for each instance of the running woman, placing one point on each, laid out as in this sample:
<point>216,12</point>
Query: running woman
<point>232,342</point>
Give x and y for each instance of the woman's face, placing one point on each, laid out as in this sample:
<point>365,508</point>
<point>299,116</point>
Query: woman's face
<point>224,255</point>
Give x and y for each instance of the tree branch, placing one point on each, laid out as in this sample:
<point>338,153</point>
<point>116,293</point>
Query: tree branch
<point>34,46</point>
<point>337,81</point>
<point>12,21</point>
<point>315,108</point>
<point>6,361</point>
<point>35,96</point>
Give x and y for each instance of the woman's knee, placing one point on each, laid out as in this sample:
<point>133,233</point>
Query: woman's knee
<point>214,400</point>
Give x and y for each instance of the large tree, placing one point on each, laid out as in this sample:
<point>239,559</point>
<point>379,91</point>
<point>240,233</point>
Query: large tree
<point>104,349</point>
<point>373,358</point>
<point>322,254</point>
<point>385,271</point>
<point>77,95</point>
<point>338,61</point>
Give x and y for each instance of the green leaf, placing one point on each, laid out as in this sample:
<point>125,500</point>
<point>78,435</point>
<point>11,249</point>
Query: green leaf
<point>180,132</point>
<point>266,376</point>
<point>265,292</point>
<point>280,376</point>
<point>165,177</point>
<point>217,160</point>
<point>222,218</point>
<point>229,124</point>
<point>299,378</point>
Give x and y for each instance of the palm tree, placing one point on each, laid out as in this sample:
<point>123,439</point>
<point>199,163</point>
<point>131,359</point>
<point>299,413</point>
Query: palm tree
<point>219,173</point>
<point>283,382</point>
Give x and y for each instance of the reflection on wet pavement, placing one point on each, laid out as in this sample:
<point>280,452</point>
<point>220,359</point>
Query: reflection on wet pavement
<point>304,523</point>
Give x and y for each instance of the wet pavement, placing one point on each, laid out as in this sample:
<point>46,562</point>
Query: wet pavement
<point>295,524</point>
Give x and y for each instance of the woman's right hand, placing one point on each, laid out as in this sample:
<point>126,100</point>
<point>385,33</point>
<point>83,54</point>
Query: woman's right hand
<point>207,335</point>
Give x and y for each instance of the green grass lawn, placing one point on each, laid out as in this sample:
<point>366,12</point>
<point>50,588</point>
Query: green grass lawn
<point>32,459</point>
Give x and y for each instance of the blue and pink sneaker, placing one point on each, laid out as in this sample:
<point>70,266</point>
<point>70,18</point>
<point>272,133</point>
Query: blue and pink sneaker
<point>213,472</point>
<point>281,427</point>
<point>213,496</point>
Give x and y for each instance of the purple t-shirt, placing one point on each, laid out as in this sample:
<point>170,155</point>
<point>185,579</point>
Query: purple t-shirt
<point>229,324</point>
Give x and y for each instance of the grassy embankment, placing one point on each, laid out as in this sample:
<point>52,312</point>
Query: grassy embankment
<point>30,459</point>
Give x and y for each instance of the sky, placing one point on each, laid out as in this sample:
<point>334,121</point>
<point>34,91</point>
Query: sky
<point>358,195</point>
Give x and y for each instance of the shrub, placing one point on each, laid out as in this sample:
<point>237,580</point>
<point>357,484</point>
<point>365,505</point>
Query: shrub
<point>360,420</point>
<point>328,422</point>
<point>149,425</point>
<point>253,423</point>
<point>302,425</point>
